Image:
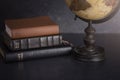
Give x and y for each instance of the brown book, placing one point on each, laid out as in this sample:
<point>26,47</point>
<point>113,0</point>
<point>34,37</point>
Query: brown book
<point>31,27</point>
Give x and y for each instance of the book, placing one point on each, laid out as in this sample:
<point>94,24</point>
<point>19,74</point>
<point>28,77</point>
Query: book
<point>10,56</point>
<point>29,43</point>
<point>31,27</point>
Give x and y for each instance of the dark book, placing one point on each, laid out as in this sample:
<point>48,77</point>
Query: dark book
<point>30,43</point>
<point>31,27</point>
<point>9,56</point>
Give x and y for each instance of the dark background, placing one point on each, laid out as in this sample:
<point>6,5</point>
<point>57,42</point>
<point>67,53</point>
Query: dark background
<point>57,10</point>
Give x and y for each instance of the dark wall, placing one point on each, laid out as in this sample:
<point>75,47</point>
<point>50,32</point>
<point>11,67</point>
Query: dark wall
<point>58,11</point>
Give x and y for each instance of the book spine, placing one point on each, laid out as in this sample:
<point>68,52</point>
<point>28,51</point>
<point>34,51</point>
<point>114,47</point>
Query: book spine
<point>37,42</point>
<point>30,32</point>
<point>35,54</point>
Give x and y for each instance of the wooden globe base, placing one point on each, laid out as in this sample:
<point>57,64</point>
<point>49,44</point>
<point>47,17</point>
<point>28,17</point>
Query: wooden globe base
<point>90,52</point>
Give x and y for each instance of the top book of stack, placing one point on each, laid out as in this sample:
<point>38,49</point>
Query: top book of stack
<point>31,27</point>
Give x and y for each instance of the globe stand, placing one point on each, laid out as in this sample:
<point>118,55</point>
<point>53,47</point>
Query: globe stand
<point>90,52</point>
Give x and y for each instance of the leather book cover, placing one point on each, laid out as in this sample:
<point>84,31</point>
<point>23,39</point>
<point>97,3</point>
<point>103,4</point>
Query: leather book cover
<point>30,43</point>
<point>10,56</point>
<point>31,27</point>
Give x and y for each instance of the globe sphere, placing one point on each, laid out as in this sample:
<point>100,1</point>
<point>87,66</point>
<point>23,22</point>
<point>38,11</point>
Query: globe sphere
<point>92,9</point>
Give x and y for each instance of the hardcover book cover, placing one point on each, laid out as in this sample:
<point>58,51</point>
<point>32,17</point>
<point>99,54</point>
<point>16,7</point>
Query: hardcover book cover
<point>31,27</point>
<point>9,56</point>
<point>29,43</point>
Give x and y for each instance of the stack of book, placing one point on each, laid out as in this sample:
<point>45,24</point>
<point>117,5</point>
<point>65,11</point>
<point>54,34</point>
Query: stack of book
<point>32,38</point>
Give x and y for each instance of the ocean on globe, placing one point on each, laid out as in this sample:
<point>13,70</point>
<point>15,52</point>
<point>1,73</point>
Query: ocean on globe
<point>92,9</point>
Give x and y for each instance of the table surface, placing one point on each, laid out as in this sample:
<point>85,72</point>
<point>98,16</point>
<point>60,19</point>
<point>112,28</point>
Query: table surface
<point>65,67</point>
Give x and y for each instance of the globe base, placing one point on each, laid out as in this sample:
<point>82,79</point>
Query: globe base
<point>82,54</point>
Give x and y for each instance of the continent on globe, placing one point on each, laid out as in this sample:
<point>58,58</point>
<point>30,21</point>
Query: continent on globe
<point>110,2</point>
<point>77,5</point>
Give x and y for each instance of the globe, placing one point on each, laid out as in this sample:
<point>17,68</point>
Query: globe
<point>92,9</point>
